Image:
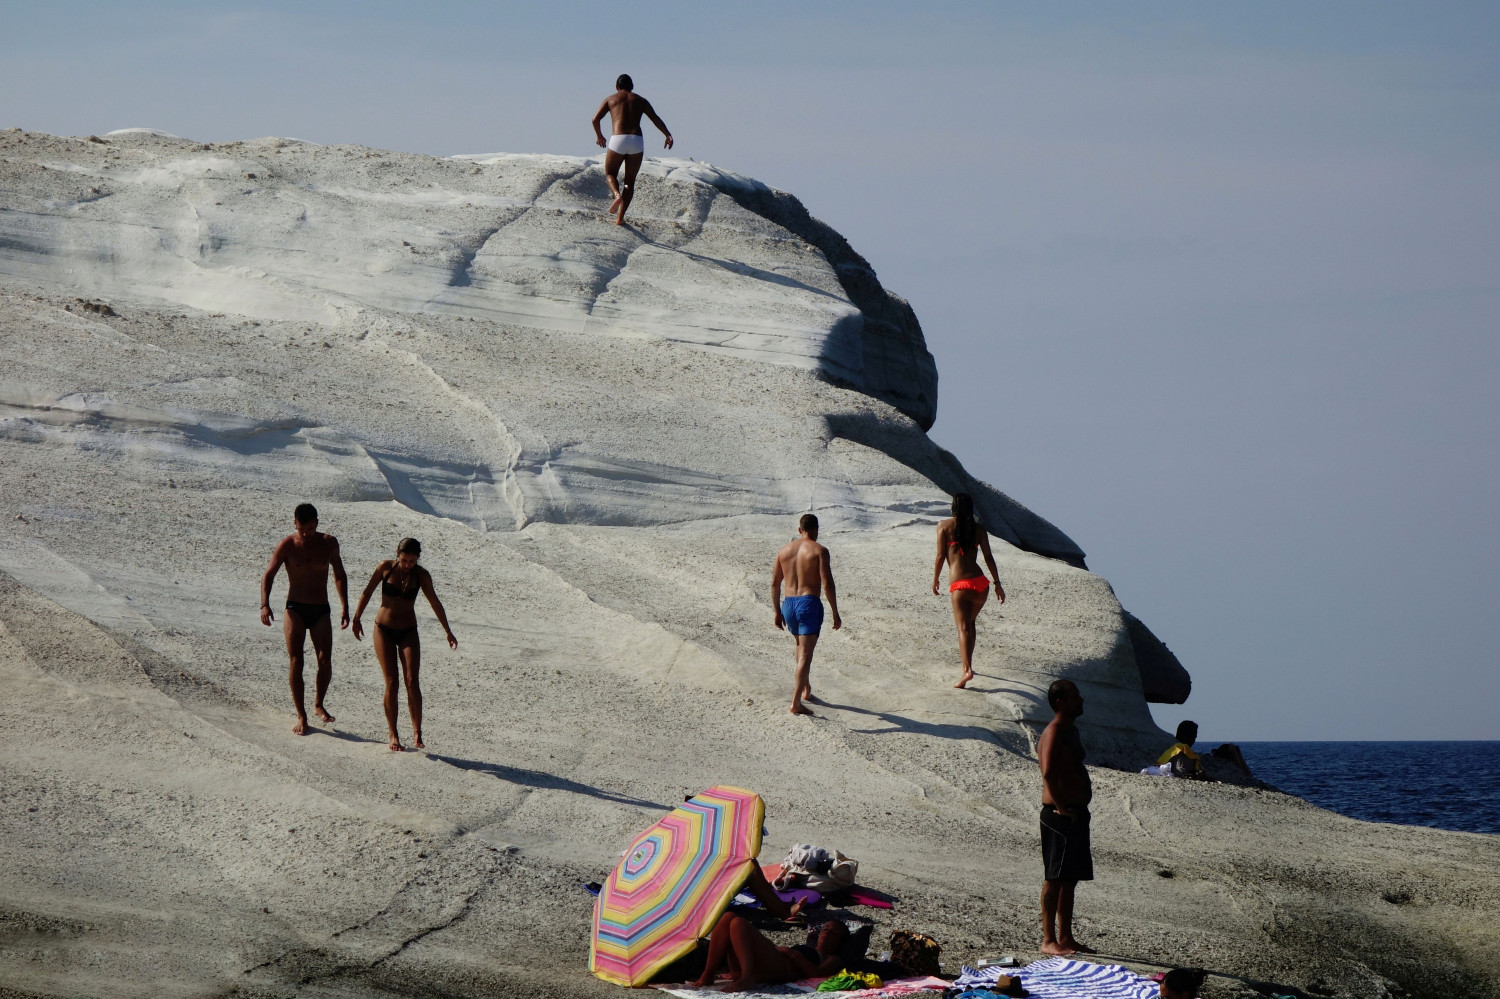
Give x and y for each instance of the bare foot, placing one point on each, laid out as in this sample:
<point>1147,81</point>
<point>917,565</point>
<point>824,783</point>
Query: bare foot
<point>1075,947</point>
<point>961,684</point>
<point>396,744</point>
<point>322,715</point>
<point>809,697</point>
<point>621,221</point>
<point>798,709</point>
<point>1057,949</point>
<point>417,741</point>
<point>614,205</point>
<point>300,728</point>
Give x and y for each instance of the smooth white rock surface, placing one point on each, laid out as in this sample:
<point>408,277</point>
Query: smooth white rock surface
<point>599,513</point>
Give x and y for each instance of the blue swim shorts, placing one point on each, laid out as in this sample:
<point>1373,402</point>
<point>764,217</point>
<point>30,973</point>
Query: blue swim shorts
<point>803,615</point>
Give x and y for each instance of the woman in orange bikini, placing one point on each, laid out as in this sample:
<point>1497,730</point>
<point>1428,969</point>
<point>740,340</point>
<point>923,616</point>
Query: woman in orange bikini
<point>401,580</point>
<point>960,539</point>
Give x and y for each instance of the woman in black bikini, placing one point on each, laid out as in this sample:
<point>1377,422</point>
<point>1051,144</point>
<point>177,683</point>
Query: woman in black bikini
<point>400,580</point>
<point>960,539</point>
<point>737,947</point>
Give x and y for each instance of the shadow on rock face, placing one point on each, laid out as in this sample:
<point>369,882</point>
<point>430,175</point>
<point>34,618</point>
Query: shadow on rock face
<point>940,730</point>
<point>536,778</point>
<point>1002,516</point>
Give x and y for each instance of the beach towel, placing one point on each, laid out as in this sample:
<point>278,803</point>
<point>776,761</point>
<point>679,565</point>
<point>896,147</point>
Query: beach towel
<point>809,899</point>
<point>858,896</point>
<point>925,986</point>
<point>1063,978</point>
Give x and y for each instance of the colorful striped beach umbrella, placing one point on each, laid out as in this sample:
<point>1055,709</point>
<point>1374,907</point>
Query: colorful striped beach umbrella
<point>673,883</point>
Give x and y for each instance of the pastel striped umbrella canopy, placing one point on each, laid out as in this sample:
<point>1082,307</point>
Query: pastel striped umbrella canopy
<point>673,883</point>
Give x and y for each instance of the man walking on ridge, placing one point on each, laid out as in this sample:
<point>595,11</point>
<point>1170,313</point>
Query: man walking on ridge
<point>307,555</point>
<point>805,567</point>
<point>626,145</point>
<point>1066,793</point>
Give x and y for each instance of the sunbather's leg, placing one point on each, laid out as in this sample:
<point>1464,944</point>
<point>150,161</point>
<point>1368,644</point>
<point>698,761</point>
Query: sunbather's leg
<point>761,961</point>
<point>757,885</point>
<point>718,952</point>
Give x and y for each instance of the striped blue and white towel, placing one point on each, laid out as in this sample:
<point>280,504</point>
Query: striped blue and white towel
<point>1062,978</point>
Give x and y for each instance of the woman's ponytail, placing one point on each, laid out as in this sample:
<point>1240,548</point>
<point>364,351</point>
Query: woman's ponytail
<point>963,517</point>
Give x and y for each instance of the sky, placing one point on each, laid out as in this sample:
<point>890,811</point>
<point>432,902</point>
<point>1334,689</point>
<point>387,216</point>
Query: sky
<point>1213,287</point>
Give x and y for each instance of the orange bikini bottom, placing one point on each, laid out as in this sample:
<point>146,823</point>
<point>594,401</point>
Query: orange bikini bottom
<point>980,584</point>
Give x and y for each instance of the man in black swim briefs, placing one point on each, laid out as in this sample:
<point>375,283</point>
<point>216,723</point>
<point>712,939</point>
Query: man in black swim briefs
<point>307,555</point>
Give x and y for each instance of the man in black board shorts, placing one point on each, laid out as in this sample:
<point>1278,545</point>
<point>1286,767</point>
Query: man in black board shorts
<point>627,145</point>
<point>1066,793</point>
<point>307,555</point>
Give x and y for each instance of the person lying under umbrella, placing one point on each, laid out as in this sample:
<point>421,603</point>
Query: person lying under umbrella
<point>750,959</point>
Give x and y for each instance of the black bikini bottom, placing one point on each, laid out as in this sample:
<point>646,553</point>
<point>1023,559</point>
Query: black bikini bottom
<point>401,636</point>
<point>310,614</point>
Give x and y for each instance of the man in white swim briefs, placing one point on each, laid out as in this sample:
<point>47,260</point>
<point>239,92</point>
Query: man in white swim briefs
<point>627,145</point>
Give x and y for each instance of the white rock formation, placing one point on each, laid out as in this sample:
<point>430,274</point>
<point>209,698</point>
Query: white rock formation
<point>601,436</point>
<point>280,229</point>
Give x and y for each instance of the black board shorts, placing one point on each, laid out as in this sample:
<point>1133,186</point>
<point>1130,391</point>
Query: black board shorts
<point>1065,846</point>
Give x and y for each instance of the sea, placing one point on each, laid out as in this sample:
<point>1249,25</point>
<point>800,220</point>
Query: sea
<point>1447,785</point>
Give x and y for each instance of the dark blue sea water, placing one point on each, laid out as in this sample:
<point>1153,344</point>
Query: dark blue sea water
<point>1448,785</point>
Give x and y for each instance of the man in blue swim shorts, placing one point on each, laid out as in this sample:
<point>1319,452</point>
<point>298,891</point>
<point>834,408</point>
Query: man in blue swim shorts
<point>806,570</point>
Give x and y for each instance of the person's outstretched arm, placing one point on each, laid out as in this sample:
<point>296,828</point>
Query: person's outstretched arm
<point>776,593</point>
<point>599,139</point>
<point>937,565</point>
<point>268,580</point>
<point>833,597</point>
<point>340,582</point>
<point>364,598</point>
<point>437,608</point>
<point>651,113</point>
<point>989,559</point>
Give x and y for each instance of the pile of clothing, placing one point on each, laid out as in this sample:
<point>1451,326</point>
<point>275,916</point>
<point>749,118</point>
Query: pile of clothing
<point>816,869</point>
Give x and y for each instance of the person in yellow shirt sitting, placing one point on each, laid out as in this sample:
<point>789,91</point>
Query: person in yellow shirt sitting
<point>1180,760</point>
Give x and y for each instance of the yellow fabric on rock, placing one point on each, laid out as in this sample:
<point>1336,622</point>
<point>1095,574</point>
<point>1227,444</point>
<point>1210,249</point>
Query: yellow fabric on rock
<point>1182,748</point>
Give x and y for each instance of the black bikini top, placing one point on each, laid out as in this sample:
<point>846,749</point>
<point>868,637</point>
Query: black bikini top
<point>390,589</point>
